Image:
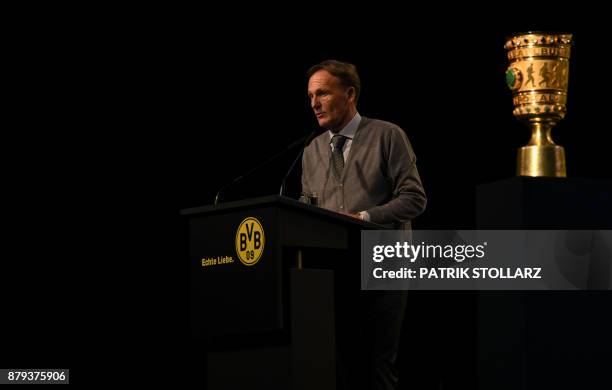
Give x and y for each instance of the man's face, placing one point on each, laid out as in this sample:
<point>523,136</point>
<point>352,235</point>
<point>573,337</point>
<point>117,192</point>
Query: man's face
<point>330,100</point>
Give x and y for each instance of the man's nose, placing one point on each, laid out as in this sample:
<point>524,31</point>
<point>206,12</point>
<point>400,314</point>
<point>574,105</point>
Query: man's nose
<point>315,103</point>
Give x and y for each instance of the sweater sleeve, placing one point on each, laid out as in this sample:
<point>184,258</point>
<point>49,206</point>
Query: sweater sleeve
<point>408,198</point>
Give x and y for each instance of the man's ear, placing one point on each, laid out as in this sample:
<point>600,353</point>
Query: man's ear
<point>350,92</point>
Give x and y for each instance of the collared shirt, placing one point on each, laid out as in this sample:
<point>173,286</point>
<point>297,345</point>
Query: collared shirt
<point>349,132</point>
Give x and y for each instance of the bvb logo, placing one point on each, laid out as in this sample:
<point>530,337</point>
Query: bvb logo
<point>250,241</point>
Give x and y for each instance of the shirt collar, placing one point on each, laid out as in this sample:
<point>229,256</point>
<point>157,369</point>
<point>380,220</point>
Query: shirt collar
<point>350,129</point>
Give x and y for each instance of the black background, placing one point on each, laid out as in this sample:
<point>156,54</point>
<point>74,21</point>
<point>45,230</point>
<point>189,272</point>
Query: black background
<point>117,129</point>
<point>445,87</point>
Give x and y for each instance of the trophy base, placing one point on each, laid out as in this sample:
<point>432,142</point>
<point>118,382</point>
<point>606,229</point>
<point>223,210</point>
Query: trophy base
<point>541,160</point>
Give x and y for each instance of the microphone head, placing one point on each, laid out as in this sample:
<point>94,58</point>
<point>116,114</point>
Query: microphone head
<point>315,133</point>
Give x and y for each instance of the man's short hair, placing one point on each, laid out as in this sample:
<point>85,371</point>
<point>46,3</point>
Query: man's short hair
<point>346,72</point>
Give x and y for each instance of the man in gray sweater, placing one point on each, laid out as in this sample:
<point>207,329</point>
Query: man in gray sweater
<point>364,168</point>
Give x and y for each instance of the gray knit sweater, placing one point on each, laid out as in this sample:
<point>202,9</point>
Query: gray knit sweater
<point>380,175</point>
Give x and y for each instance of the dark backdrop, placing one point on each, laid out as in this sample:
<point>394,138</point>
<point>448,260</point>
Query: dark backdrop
<point>121,124</point>
<point>243,99</point>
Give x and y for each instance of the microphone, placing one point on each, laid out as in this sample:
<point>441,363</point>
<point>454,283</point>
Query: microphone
<point>307,142</point>
<point>304,140</point>
<point>315,133</point>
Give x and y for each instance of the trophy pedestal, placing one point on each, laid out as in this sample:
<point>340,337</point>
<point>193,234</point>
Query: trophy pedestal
<point>544,339</point>
<point>544,203</point>
<point>541,160</point>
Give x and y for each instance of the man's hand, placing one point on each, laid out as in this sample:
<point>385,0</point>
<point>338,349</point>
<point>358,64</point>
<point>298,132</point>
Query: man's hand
<point>354,215</point>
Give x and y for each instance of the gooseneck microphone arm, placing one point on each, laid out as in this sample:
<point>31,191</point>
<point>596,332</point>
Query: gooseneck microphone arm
<point>268,161</point>
<point>307,141</point>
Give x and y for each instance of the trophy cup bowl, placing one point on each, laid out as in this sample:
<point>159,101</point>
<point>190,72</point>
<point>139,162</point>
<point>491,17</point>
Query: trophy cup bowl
<point>538,76</point>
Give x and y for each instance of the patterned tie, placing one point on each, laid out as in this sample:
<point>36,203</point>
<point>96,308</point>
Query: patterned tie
<point>337,156</point>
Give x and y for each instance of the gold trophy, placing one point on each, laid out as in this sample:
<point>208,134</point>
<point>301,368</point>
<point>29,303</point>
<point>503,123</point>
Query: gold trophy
<point>537,76</point>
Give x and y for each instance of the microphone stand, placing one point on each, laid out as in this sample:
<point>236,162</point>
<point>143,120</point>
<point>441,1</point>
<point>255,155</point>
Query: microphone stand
<point>307,142</point>
<point>268,161</point>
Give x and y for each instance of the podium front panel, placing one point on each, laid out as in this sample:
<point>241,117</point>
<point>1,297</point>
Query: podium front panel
<point>230,295</point>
